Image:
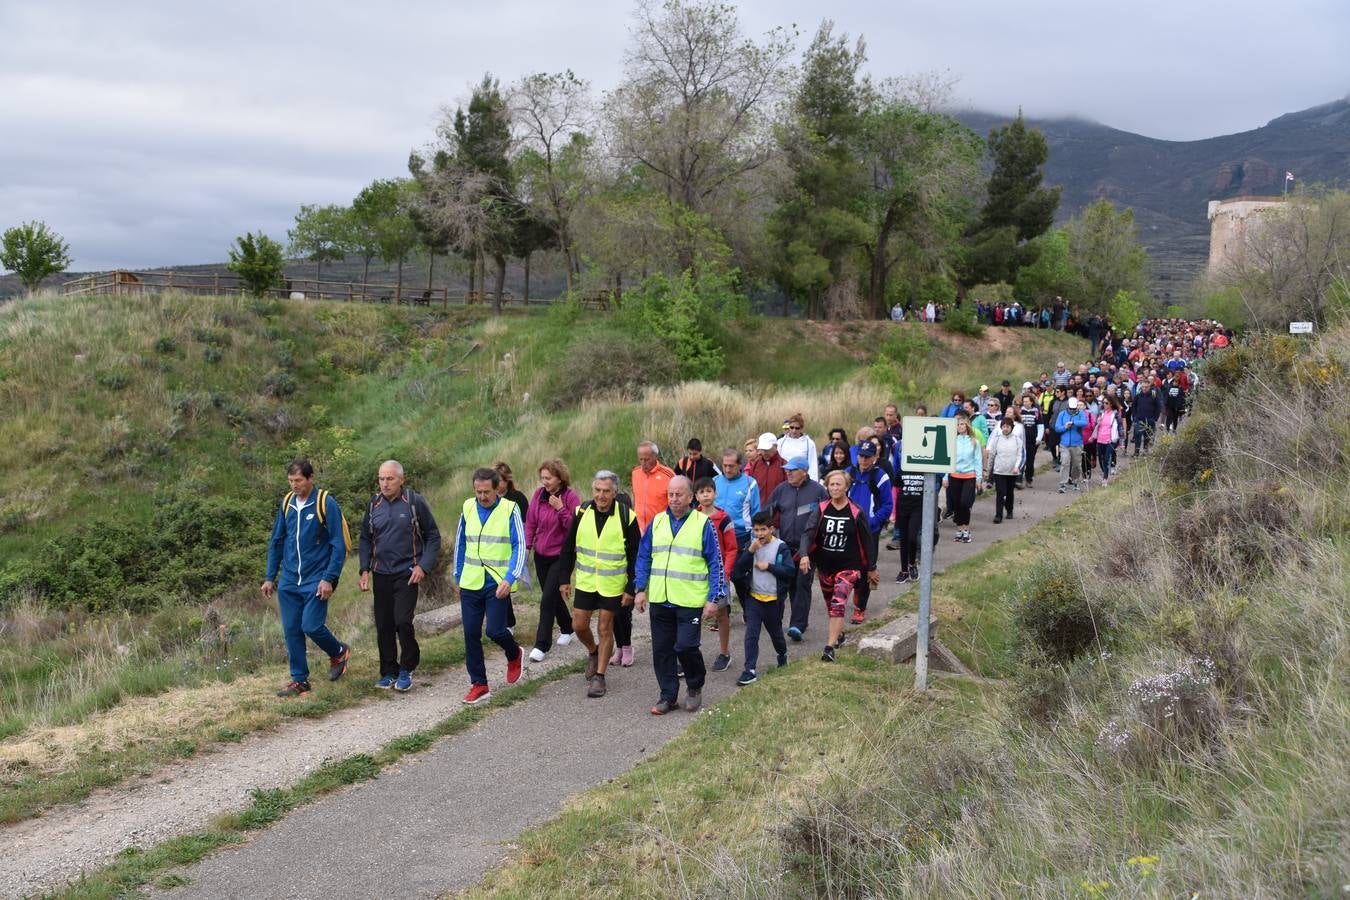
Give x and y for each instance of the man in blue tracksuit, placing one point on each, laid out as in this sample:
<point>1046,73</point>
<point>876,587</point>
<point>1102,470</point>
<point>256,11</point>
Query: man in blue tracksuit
<point>1069,424</point>
<point>304,561</point>
<point>871,492</point>
<point>738,494</point>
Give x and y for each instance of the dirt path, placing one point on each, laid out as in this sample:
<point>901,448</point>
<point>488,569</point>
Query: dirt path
<point>428,792</point>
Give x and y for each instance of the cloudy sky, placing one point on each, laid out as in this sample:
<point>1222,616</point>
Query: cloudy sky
<point>152,133</point>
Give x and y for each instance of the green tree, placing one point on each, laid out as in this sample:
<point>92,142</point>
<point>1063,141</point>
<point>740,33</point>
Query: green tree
<point>1050,274</point>
<point>376,202</point>
<point>818,223</point>
<point>1106,256</point>
<point>259,262</point>
<point>396,233</point>
<point>33,251</point>
<point>320,234</point>
<point>1017,207</point>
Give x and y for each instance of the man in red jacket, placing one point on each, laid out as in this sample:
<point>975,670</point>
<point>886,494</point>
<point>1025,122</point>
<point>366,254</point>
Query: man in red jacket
<point>768,468</point>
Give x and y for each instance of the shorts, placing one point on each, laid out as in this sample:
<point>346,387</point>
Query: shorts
<point>835,587</point>
<point>724,602</point>
<point>590,602</point>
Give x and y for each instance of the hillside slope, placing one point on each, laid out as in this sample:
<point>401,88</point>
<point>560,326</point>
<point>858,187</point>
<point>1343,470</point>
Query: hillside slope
<point>1170,183</point>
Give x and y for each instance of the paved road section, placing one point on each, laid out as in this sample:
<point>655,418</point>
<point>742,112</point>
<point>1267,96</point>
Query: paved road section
<point>439,820</point>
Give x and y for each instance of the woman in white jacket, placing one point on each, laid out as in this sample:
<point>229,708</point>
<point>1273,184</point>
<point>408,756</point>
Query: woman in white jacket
<point>1005,464</point>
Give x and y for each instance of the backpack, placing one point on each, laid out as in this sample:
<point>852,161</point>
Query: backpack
<point>322,502</point>
<point>872,486</point>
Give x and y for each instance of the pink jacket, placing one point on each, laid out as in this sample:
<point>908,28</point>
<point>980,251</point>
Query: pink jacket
<point>546,527</point>
<point>1106,428</point>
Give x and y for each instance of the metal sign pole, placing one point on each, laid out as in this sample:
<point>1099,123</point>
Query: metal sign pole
<point>925,583</point>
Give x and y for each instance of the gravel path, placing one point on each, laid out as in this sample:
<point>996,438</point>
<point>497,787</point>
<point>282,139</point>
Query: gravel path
<point>434,811</point>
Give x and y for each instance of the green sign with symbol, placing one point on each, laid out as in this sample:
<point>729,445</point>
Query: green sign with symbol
<point>928,444</point>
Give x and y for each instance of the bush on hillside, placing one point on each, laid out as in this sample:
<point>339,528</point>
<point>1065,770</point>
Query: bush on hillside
<point>686,313</point>
<point>906,344</point>
<point>1053,616</point>
<point>617,367</point>
<point>961,320</point>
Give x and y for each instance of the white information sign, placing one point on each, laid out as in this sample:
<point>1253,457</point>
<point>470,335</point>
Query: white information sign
<point>928,444</point>
<point>1300,327</point>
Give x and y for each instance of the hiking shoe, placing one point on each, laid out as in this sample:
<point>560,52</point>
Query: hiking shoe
<point>903,577</point>
<point>385,683</point>
<point>404,682</point>
<point>592,664</point>
<point>693,700</point>
<point>565,639</point>
<point>720,664</point>
<point>782,660</point>
<point>295,689</point>
<point>828,654</point>
<point>858,617</point>
<point>537,655</point>
<point>795,633</point>
<point>338,664</point>
<point>513,667</point>
<point>664,706</point>
<point>626,657</point>
<point>597,688</point>
<point>998,519</point>
<point>749,676</point>
<point>478,693</point>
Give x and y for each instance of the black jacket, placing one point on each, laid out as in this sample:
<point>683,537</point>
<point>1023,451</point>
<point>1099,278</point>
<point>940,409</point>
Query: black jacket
<point>390,544</point>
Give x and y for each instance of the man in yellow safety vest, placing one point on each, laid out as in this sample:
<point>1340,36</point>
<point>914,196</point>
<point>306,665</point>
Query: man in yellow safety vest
<point>597,566</point>
<point>679,574</point>
<point>489,562</point>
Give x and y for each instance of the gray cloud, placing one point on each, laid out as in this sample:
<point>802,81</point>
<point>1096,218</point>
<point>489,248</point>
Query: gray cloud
<point>152,133</point>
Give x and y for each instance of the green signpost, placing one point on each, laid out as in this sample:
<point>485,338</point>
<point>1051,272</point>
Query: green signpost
<point>927,444</point>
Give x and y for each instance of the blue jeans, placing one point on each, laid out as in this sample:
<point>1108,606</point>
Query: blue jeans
<point>475,606</point>
<point>771,616</point>
<point>304,614</point>
<point>1106,455</point>
<point>676,633</point>
<point>1143,432</point>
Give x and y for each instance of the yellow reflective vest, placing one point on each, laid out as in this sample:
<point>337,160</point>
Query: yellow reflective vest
<point>602,558</point>
<point>679,572</point>
<point>487,545</point>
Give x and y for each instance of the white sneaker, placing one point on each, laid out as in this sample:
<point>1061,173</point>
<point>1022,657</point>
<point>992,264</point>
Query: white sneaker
<point>564,640</point>
<point>536,655</point>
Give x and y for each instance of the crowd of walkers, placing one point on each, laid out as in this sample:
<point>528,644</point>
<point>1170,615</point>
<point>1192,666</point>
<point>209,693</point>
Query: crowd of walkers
<point>753,531</point>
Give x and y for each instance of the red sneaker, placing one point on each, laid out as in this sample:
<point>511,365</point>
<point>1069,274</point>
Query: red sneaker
<point>513,667</point>
<point>857,617</point>
<point>478,693</point>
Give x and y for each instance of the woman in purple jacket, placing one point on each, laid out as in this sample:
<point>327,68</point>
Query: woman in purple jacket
<point>546,522</point>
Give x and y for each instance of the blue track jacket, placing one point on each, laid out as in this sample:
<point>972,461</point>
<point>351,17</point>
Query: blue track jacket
<point>302,553</point>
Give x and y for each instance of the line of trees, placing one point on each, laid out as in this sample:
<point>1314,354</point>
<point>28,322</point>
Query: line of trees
<point>839,193</point>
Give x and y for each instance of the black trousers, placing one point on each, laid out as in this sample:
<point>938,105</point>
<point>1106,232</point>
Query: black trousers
<point>675,636</point>
<point>1052,442</point>
<point>960,499</point>
<point>552,606</point>
<point>908,523</point>
<point>623,627</point>
<point>1029,464</point>
<point>1003,494</point>
<point>395,603</point>
<point>799,598</point>
<point>862,591</point>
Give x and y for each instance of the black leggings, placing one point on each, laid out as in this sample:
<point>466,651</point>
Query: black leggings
<point>960,499</point>
<point>552,606</point>
<point>1003,497</point>
<point>908,522</point>
<point>623,627</point>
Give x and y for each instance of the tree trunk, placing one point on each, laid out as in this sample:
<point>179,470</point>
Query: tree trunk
<point>365,276</point>
<point>473,271</point>
<point>501,280</point>
<point>526,299</point>
<point>398,290</point>
<point>482,272</point>
<point>431,267</point>
<point>567,258</point>
<point>876,287</point>
<point>318,278</point>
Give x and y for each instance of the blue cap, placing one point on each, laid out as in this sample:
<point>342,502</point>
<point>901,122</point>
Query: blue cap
<point>867,448</point>
<point>797,462</point>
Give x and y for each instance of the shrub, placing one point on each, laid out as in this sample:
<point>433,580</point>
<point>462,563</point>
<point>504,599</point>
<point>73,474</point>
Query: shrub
<point>113,379</point>
<point>166,344</point>
<point>961,320</point>
<point>906,344</point>
<point>685,314</point>
<point>279,383</point>
<point>212,354</point>
<point>618,367</point>
<point>1053,616</point>
<point>212,336</point>
<point>1186,456</point>
<point>1164,714</point>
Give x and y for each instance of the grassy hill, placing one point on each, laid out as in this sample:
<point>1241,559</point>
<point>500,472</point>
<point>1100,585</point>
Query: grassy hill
<point>1165,710</point>
<point>143,453</point>
<point>1170,183</point>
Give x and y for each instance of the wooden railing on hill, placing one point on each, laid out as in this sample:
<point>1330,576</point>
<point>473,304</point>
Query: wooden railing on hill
<point>123,283</point>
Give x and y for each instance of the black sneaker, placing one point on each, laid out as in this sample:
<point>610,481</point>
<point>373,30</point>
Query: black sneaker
<point>903,577</point>
<point>843,638</point>
<point>720,664</point>
<point>782,660</point>
<point>338,664</point>
<point>749,676</point>
<point>913,573</point>
<point>828,654</point>
<point>664,706</point>
<point>295,689</point>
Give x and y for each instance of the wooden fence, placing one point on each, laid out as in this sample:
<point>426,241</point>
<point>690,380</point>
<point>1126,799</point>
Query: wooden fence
<point>125,283</point>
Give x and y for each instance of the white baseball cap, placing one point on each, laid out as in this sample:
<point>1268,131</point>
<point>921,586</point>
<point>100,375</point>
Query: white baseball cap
<point>766,440</point>
<point>1073,403</point>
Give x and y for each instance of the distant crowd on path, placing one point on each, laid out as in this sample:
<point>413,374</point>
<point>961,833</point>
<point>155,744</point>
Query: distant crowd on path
<point>758,528</point>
